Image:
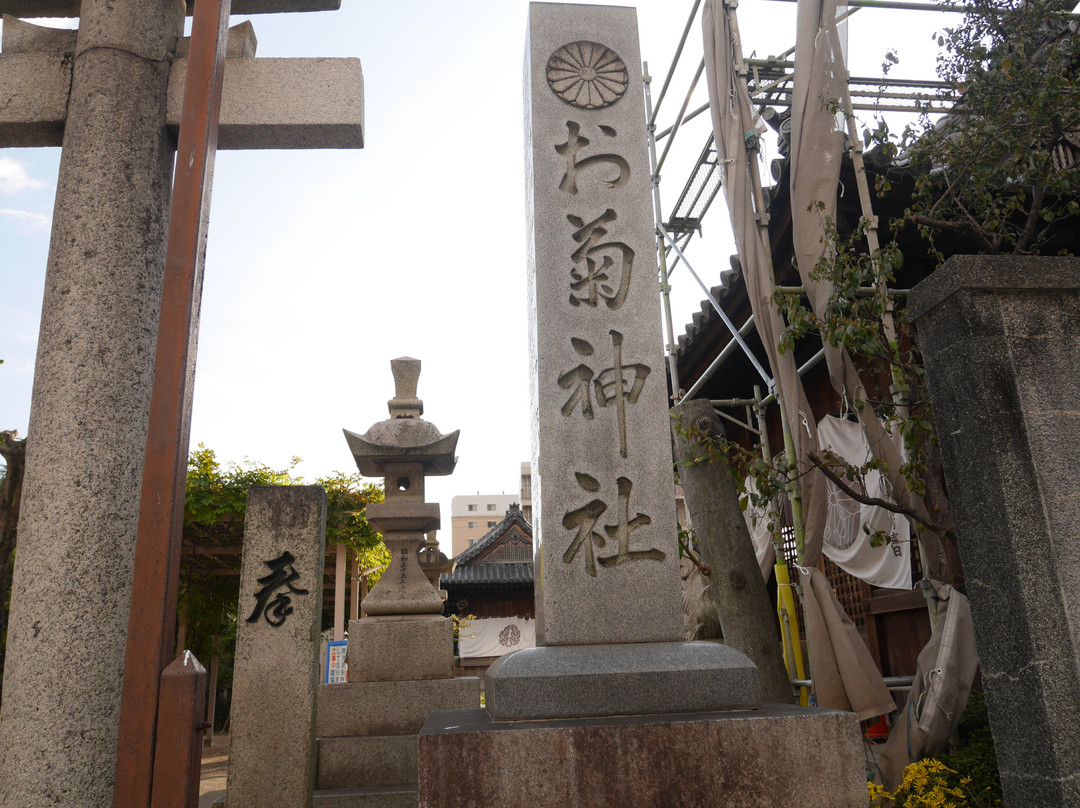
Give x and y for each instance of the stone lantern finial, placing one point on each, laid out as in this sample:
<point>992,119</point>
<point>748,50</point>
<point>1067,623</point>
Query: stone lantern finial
<point>405,404</point>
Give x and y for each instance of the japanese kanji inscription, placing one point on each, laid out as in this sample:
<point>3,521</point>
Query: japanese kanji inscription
<point>601,447</point>
<point>282,577</point>
<point>584,520</point>
<point>616,386</point>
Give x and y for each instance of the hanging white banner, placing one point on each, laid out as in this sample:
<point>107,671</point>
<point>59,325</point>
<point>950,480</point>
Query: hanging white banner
<point>495,636</point>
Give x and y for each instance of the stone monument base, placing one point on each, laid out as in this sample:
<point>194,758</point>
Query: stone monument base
<point>773,756</point>
<point>575,681</point>
<point>400,648</point>
<point>367,738</point>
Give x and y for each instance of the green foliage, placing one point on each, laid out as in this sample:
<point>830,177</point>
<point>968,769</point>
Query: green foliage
<point>216,500</point>
<point>461,623</point>
<point>994,176</point>
<point>772,479</point>
<point>973,752</point>
<point>214,510</point>
<point>989,171</point>
<point>966,777</point>
<point>346,521</point>
<point>854,313</point>
<point>891,368</point>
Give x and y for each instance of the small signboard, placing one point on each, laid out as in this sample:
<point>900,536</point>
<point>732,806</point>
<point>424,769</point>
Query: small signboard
<point>335,662</point>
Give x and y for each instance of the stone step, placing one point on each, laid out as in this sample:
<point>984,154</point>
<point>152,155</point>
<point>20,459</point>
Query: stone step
<point>389,797</point>
<point>374,761</point>
<point>390,708</point>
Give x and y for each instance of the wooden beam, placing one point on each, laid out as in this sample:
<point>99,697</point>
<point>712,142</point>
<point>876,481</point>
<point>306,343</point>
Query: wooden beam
<point>159,541</point>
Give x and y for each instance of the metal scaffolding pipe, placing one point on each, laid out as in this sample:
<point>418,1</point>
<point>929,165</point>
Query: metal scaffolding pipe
<point>901,4</point>
<point>723,314</point>
<point>674,61</point>
<point>689,117</point>
<point>665,286</point>
<point>679,117</point>
<point>719,360</point>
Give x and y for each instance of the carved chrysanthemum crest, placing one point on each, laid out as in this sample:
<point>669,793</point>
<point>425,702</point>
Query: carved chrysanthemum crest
<point>587,75</point>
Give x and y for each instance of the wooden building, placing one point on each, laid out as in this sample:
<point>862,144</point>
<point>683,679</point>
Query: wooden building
<point>491,591</point>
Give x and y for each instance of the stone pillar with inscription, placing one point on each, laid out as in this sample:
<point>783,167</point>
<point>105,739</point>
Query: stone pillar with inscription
<point>401,652</point>
<point>608,603</point>
<point>272,746</point>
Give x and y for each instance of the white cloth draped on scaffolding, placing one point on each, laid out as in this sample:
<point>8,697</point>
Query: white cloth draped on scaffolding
<point>939,694</point>
<point>845,542</point>
<point>845,676</point>
<point>733,125</point>
<point>495,636</point>
<point>818,100</point>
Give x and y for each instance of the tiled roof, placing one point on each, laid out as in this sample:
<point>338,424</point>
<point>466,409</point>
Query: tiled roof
<point>703,318</point>
<point>494,575</point>
<point>513,517</point>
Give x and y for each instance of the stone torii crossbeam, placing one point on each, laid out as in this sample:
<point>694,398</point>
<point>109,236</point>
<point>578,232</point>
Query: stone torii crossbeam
<point>112,95</point>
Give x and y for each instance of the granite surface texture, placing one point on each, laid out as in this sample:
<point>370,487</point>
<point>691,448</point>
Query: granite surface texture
<point>314,103</point>
<point>20,36</point>
<point>272,752</point>
<point>403,449</point>
<point>645,760</point>
<point>603,503</point>
<point>373,761</point>
<point>71,593</point>
<point>392,648</point>
<point>388,797</point>
<point>390,708</point>
<point>1000,337</point>
<point>571,681</point>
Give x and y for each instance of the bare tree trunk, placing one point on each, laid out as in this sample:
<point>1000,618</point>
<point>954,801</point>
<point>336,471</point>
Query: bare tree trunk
<point>746,614</point>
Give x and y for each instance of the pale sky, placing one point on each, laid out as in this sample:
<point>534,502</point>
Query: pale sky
<point>322,266</point>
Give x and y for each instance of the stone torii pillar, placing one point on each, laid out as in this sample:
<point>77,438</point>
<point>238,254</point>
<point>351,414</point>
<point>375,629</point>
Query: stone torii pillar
<point>112,97</point>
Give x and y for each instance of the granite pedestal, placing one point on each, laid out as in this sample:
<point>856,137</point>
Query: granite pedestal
<point>570,681</point>
<point>774,756</point>
<point>1000,337</point>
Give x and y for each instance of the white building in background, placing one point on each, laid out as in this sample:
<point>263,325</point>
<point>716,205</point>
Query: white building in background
<point>472,516</point>
<point>526,491</point>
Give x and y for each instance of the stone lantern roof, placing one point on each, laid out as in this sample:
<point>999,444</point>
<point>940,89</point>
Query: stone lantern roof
<point>404,437</point>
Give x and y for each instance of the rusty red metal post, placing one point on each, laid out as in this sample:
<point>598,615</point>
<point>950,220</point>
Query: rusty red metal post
<point>157,551</point>
<point>178,750</point>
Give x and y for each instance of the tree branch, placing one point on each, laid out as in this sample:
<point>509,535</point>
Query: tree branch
<point>693,559</point>
<point>962,227</point>
<point>862,498</point>
<point>1034,214</point>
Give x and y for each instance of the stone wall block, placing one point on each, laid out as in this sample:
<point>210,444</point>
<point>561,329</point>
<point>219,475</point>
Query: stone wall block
<point>1001,341</point>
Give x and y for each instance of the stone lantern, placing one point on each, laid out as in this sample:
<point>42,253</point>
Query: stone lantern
<point>403,449</point>
<point>401,653</point>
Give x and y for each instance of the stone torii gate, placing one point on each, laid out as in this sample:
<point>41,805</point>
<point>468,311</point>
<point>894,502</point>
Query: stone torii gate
<point>112,95</point>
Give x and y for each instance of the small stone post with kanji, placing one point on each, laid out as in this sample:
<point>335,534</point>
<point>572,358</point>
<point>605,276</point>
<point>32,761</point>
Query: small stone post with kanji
<point>272,752</point>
